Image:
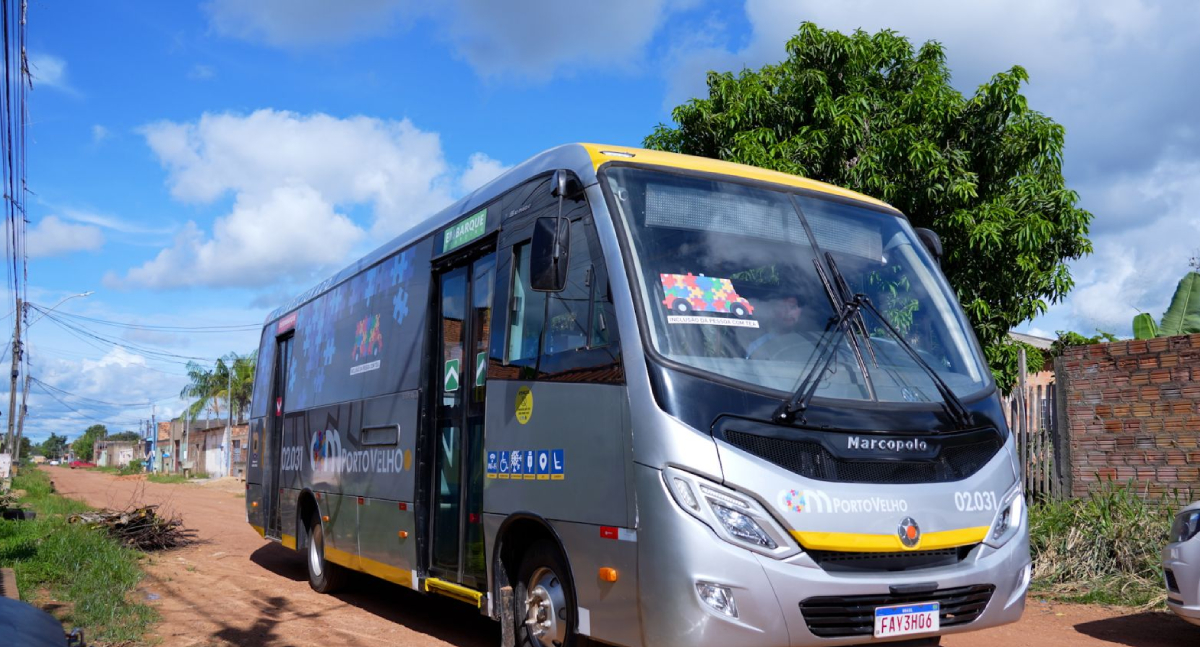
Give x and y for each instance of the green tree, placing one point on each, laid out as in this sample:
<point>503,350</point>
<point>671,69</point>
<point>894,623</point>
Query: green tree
<point>26,448</point>
<point>54,447</point>
<point>82,446</point>
<point>870,113</point>
<point>210,388</point>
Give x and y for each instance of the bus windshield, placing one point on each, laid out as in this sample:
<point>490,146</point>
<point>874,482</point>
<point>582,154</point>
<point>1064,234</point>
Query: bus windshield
<point>732,285</point>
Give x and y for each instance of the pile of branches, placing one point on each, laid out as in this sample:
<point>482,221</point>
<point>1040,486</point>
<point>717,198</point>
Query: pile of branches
<point>141,528</point>
<point>8,499</point>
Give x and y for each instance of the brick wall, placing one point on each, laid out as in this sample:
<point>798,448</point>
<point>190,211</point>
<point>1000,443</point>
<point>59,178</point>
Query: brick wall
<point>1132,410</point>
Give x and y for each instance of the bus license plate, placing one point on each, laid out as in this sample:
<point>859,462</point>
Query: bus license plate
<point>906,619</point>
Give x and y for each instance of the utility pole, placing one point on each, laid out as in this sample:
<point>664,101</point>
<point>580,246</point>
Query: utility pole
<point>16,452</point>
<point>12,389</point>
<point>229,425</point>
<point>154,433</point>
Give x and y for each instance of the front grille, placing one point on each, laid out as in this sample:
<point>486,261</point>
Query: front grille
<point>1172,585</point>
<point>834,560</point>
<point>854,615</point>
<point>808,458</point>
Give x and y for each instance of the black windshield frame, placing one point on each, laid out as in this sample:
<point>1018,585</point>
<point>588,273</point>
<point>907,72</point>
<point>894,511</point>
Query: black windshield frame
<point>987,389</point>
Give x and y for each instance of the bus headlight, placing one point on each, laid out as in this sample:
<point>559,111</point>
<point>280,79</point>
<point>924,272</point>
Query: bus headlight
<point>1009,518</point>
<point>735,517</point>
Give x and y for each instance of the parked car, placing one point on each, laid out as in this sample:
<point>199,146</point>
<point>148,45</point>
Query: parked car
<point>1181,565</point>
<point>77,463</point>
<point>55,462</point>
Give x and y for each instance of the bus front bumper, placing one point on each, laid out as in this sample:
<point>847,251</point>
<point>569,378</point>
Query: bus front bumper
<point>676,552</point>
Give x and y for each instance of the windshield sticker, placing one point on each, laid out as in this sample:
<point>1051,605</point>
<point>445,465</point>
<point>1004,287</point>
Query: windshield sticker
<point>975,501</point>
<point>818,502</point>
<point>686,295</point>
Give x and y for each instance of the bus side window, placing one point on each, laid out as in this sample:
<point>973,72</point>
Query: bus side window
<point>528,310</point>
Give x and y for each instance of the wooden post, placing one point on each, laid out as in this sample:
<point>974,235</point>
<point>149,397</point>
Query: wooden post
<point>508,633</point>
<point>1022,418</point>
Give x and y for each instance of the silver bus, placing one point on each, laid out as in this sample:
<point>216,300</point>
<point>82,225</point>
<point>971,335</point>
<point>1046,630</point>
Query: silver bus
<point>648,399</point>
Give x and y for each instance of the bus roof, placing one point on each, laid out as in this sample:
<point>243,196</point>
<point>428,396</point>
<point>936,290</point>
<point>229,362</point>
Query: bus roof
<point>585,160</point>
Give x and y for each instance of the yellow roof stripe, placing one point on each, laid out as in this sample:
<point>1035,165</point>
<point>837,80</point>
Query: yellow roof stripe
<point>853,542</point>
<point>706,165</point>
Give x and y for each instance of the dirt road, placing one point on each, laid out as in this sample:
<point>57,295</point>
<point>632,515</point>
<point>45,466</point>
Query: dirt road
<point>234,588</point>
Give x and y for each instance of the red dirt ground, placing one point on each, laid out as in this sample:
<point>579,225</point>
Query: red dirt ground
<point>234,588</point>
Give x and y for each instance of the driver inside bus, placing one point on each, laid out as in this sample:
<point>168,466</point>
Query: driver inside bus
<point>782,324</point>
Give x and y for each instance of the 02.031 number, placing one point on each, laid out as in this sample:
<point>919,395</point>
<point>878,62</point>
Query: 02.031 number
<point>975,501</point>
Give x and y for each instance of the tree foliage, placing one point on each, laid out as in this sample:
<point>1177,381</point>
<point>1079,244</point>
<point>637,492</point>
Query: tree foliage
<point>211,388</point>
<point>125,435</point>
<point>54,447</point>
<point>871,113</point>
<point>84,445</point>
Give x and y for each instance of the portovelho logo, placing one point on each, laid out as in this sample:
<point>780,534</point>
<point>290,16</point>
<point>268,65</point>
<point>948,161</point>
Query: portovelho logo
<point>819,502</point>
<point>894,445</point>
<point>326,450</point>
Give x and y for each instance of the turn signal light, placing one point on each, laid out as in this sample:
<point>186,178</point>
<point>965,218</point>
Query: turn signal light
<point>325,518</point>
<point>254,504</point>
<point>403,534</point>
<point>608,574</point>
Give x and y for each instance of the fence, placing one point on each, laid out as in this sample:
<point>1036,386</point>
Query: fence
<point>1032,412</point>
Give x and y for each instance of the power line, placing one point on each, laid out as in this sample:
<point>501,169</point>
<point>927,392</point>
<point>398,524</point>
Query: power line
<point>82,414</point>
<point>181,329</point>
<point>66,393</point>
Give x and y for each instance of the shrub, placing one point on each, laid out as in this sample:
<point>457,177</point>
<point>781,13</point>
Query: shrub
<point>1103,549</point>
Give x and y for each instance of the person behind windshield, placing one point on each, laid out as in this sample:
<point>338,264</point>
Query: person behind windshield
<point>782,324</point>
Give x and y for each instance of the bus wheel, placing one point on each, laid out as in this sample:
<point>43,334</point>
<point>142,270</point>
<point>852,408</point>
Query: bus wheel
<point>545,612</point>
<point>323,576</point>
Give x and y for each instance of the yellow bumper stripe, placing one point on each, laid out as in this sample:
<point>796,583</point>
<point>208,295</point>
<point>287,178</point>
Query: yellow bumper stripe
<point>853,542</point>
<point>289,541</point>
<point>260,530</point>
<point>394,574</point>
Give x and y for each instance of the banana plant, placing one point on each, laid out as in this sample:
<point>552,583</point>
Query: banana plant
<point>1181,318</point>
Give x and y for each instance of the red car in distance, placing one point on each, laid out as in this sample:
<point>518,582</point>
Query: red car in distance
<point>75,464</point>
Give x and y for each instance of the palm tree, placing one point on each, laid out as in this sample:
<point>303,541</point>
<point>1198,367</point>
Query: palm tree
<point>211,387</point>
<point>203,387</point>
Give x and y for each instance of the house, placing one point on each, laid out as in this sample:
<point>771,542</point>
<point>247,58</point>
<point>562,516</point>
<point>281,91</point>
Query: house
<point>117,453</point>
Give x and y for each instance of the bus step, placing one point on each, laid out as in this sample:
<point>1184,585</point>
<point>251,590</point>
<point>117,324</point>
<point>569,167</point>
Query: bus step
<point>452,590</point>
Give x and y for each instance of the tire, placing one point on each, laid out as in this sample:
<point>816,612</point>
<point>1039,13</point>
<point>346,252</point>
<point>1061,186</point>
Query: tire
<point>323,576</point>
<point>544,595</point>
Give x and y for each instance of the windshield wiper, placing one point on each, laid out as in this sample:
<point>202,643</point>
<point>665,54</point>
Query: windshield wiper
<point>824,352</point>
<point>954,405</point>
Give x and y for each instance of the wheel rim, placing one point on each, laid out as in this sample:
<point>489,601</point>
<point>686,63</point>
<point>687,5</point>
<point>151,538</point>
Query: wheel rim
<point>544,603</point>
<point>314,552</point>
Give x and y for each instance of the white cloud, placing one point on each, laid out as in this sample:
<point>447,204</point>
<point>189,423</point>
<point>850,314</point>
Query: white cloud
<point>528,39</point>
<point>202,72</point>
<point>49,71</point>
<point>533,39</point>
<point>480,170</point>
<point>99,133</point>
<point>53,237</point>
<point>299,23</point>
<point>263,240</point>
<point>297,181</point>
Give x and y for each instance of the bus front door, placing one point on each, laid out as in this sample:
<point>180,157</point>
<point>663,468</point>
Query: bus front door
<point>274,444</point>
<point>460,375</point>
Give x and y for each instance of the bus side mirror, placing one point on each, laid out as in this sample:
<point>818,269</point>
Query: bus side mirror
<point>545,273</point>
<point>932,243</point>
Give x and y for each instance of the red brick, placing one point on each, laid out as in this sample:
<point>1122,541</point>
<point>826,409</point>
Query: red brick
<point>1148,361</point>
<point>1137,346</point>
<point>1150,393</point>
<point>1167,360</point>
<point>1139,379</point>
<point>1160,376</point>
<point>1158,344</point>
<point>1142,409</point>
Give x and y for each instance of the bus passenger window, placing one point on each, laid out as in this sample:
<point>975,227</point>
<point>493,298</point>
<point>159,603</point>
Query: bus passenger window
<point>528,311</point>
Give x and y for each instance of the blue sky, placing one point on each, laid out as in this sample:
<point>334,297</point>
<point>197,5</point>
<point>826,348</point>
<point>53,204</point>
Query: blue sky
<point>195,164</point>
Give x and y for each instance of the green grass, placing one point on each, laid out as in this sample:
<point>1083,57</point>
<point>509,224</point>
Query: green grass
<point>1104,550</point>
<point>85,569</point>
<point>167,478</point>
